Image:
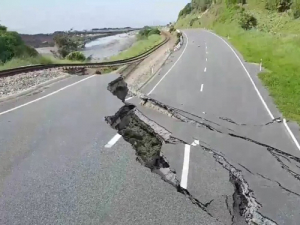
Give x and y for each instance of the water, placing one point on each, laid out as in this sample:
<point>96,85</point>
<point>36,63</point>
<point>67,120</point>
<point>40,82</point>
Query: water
<point>106,47</point>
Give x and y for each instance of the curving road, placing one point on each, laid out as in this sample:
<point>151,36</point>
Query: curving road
<point>60,163</point>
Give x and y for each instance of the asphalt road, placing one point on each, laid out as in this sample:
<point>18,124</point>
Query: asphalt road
<point>55,168</point>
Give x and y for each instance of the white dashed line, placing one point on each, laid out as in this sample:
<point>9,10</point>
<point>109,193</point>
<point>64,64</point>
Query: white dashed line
<point>201,89</point>
<point>185,168</point>
<point>206,59</point>
<point>205,69</point>
<point>113,141</point>
<point>116,137</point>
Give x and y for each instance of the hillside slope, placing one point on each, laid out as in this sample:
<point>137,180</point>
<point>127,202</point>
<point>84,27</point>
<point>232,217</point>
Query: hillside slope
<point>270,34</point>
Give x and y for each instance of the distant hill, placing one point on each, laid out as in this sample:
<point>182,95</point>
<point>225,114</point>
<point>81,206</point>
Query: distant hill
<point>38,40</point>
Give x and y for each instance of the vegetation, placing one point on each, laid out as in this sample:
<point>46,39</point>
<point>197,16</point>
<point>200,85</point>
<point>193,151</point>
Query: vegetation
<point>139,47</point>
<point>11,45</point>
<point>14,53</point>
<point>261,30</point>
<point>171,29</point>
<point>247,21</point>
<point>76,56</point>
<point>65,44</point>
<point>186,10</point>
<point>147,32</point>
<point>25,61</point>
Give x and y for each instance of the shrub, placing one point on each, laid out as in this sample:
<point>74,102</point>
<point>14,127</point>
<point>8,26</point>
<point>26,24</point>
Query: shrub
<point>11,45</point>
<point>76,56</point>
<point>65,44</point>
<point>201,5</point>
<point>296,8</point>
<point>172,29</point>
<point>186,10</point>
<point>154,31</point>
<point>247,21</point>
<point>147,31</point>
<point>278,5</point>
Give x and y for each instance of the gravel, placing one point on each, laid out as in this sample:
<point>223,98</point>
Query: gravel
<point>20,82</point>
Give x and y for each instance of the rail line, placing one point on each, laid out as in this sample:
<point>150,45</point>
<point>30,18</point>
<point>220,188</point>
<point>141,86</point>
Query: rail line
<point>24,69</point>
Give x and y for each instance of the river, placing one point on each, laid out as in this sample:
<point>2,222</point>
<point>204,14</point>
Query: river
<point>106,47</point>
<point>101,48</point>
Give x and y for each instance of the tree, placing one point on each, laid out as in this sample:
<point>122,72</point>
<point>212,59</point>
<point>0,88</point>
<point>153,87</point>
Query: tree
<point>186,10</point>
<point>3,28</point>
<point>12,45</point>
<point>65,44</point>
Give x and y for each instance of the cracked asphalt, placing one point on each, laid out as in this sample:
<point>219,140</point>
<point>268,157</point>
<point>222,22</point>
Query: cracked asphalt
<point>54,168</point>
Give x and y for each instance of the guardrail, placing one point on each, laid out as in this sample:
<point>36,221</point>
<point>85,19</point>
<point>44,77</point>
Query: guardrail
<point>24,69</point>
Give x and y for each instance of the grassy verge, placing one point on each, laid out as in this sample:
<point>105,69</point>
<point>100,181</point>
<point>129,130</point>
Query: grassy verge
<point>275,41</point>
<point>25,61</point>
<point>139,47</point>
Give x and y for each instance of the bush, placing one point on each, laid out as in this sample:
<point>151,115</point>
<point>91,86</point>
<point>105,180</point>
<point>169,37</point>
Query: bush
<point>201,5</point>
<point>11,45</point>
<point>65,44</point>
<point>296,8</point>
<point>154,31</point>
<point>186,10</point>
<point>278,5</point>
<point>172,29</point>
<point>247,21</point>
<point>148,31</point>
<point>234,2</point>
<point>76,56</point>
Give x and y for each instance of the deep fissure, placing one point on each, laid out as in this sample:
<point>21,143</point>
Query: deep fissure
<point>147,138</point>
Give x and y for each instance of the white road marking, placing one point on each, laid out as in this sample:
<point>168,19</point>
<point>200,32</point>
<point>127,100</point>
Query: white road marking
<point>201,89</point>
<point>187,42</point>
<point>195,143</point>
<point>46,96</point>
<point>258,93</point>
<point>291,134</point>
<point>205,69</point>
<point>113,141</point>
<point>206,59</point>
<point>185,168</point>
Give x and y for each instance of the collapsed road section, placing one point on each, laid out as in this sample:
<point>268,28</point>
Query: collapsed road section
<point>247,203</point>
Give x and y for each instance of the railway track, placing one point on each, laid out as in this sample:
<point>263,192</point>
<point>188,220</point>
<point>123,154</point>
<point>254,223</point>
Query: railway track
<point>24,69</point>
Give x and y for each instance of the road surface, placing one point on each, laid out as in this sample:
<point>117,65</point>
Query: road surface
<point>60,163</point>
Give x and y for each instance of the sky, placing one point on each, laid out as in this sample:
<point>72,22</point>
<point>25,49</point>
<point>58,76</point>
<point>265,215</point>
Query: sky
<point>47,16</point>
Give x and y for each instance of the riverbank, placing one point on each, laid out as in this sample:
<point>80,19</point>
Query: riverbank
<point>104,48</point>
<point>139,47</point>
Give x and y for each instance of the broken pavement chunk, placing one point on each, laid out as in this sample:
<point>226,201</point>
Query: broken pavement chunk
<point>118,87</point>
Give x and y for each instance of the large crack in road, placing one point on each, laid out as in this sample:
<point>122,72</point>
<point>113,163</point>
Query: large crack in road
<point>147,138</point>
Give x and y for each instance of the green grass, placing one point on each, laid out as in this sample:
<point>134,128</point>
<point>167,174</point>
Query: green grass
<point>25,61</point>
<point>276,41</point>
<point>139,47</point>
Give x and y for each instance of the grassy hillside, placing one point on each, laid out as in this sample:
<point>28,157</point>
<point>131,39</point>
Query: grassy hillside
<point>270,33</point>
<point>147,38</point>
